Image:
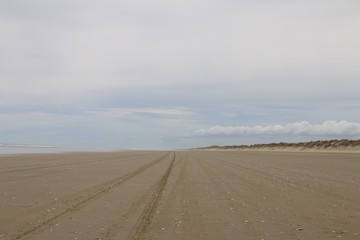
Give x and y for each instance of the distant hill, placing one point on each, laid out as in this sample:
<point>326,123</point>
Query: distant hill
<point>343,144</point>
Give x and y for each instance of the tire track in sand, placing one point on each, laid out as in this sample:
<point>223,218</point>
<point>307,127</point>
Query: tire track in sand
<point>143,225</point>
<point>31,167</point>
<point>76,203</point>
<point>117,226</point>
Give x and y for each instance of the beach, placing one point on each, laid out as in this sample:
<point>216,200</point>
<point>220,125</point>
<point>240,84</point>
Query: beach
<point>180,195</point>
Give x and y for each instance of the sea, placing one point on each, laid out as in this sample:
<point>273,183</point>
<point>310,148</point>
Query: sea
<point>10,149</point>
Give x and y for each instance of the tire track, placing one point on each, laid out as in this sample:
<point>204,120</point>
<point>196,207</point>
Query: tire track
<point>143,225</point>
<point>248,207</point>
<point>117,226</point>
<point>44,167</point>
<point>289,181</point>
<point>305,172</point>
<point>56,165</point>
<point>293,183</point>
<point>190,215</point>
<point>76,203</point>
<point>274,200</point>
<point>210,171</point>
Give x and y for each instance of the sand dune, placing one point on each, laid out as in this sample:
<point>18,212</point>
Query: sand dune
<point>180,195</point>
<point>344,145</point>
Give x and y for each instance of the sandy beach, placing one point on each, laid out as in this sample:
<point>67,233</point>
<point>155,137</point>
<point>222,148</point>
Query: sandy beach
<point>180,195</point>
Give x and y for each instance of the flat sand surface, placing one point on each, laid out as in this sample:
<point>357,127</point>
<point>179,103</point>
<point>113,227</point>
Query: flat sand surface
<point>180,195</point>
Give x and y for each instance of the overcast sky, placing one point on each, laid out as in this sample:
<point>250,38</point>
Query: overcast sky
<point>176,74</point>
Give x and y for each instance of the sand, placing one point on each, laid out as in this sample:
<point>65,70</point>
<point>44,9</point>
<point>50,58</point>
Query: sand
<point>180,195</point>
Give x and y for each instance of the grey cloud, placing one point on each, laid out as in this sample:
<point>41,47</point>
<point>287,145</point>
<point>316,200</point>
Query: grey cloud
<point>259,46</point>
<point>213,62</point>
<point>116,112</point>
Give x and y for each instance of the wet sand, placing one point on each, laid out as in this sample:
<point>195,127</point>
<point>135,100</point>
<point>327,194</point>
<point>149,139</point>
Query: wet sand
<point>180,195</point>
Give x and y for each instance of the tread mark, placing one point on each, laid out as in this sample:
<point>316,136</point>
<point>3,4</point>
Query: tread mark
<point>143,225</point>
<point>78,204</point>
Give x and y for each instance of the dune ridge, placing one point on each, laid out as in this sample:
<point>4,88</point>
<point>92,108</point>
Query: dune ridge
<point>343,145</point>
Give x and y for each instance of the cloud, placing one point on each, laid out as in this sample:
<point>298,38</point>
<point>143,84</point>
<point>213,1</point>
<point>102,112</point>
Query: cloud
<point>104,127</point>
<point>328,128</point>
<point>245,48</point>
<point>98,72</point>
<point>48,119</point>
<point>126,112</point>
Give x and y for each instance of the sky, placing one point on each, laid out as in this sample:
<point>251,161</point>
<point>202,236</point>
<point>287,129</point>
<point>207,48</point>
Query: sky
<point>178,74</point>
